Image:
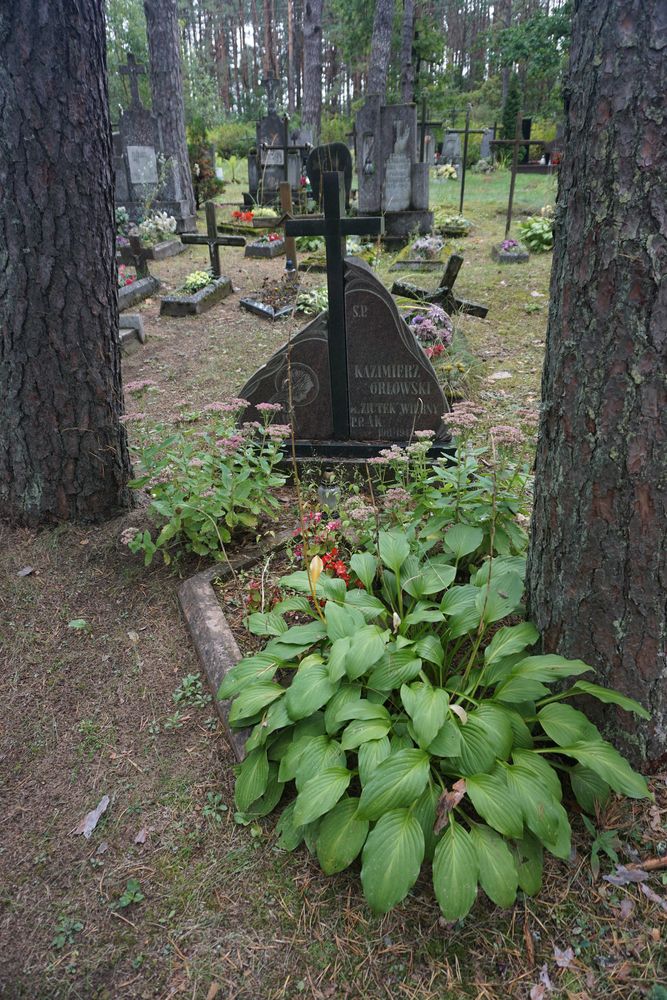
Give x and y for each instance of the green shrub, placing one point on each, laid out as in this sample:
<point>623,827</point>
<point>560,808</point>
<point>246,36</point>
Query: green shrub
<point>196,281</point>
<point>537,232</point>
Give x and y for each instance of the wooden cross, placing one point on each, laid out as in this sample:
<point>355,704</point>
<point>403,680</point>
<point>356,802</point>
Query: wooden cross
<point>212,239</point>
<point>443,295</point>
<point>335,226</point>
<point>516,143</point>
<point>134,70</point>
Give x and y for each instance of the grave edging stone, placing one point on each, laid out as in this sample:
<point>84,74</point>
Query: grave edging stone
<point>214,642</point>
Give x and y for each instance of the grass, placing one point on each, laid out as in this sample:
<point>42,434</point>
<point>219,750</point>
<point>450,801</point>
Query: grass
<point>87,712</point>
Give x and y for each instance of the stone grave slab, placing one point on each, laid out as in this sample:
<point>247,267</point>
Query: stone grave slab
<point>182,304</point>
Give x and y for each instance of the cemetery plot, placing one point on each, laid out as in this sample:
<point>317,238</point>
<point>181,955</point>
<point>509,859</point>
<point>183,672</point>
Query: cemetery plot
<point>443,295</point>
<point>134,291</point>
<point>268,246</point>
<point>427,253</point>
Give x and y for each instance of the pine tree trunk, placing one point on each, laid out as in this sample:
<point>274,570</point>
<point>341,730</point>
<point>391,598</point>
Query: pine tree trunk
<point>167,87</point>
<point>63,449</point>
<point>407,65</point>
<point>380,57</point>
<point>312,66</point>
<point>598,559</point>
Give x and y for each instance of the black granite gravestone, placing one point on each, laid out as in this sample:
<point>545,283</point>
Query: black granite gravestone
<point>355,380</point>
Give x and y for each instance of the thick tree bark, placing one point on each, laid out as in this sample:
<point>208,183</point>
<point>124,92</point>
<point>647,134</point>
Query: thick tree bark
<point>63,449</point>
<point>407,65</point>
<point>598,560</point>
<point>380,57</point>
<point>311,113</point>
<point>167,86</point>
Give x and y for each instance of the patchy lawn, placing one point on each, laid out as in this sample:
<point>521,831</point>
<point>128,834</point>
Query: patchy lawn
<point>169,897</point>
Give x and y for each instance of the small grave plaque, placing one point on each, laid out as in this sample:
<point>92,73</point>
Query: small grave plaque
<point>273,157</point>
<point>143,164</point>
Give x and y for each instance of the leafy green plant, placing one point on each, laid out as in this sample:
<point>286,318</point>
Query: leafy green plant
<point>196,281</point>
<point>132,894</point>
<point>415,728</point>
<point>309,244</point>
<point>205,482</point>
<point>66,928</point>
<point>214,808</point>
<point>604,842</point>
<point>537,232</point>
<point>191,692</point>
<point>313,301</point>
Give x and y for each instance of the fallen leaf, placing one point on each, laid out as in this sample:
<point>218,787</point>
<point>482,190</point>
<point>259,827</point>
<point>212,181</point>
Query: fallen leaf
<point>133,636</point>
<point>91,819</point>
<point>537,992</point>
<point>654,897</point>
<point>103,848</point>
<point>623,875</point>
<point>528,941</point>
<point>564,959</point>
<point>447,802</point>
<point>213,991</point>
<point>142,836</point>
<point>544,978</point>
<point>626,908</point>
<point>26,571</point>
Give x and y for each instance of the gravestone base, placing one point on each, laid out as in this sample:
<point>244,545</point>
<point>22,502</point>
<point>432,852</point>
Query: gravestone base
<point>161,251</point>
<point>508,257</point>
<point>197,303</point>
<point>402,225</point>
<point>265,250</point>
<point>356,452</point>
<point>131,333</point>
<point>132,295</point>
<point>266,311</point>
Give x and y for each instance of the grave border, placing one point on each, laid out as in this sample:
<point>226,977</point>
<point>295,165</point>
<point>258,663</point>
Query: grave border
<point>197,303</point>
<point>213,639</point>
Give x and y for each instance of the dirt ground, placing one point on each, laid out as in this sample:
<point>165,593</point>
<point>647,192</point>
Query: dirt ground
<point>170,897</point>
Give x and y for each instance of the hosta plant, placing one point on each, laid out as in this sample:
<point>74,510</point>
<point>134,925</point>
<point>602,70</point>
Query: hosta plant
<point>537,233</point>
<point>401,725</point>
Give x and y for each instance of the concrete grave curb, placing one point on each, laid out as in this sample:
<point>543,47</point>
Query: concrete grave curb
<point>213,639</point>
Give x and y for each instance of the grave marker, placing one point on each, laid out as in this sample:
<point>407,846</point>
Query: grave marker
<point>354,380</point>
<point>443,295</point>
<point>212,239</point>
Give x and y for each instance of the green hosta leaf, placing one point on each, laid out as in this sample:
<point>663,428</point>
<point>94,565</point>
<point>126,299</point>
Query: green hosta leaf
<point>364,709</point>
<point>540,769</point>
<point>502,599</point>
<point>493,801</point>
<point>346,695</point>
<point>500,566</point>
<point>498,876</point>
<point>337,658</point>
<point>270,798</point>
<point>366,648</point>
<point>289,835</point>
<point>543,814</point>
<point>370,755</point>
<point>461,540</point>
<point>611,697</point>
<point>509,640</point>
<point>459,599</point>
<point>425,810</point>
<point>549,668</point>
<point>305,732</point>
<point>478,753</point>
<point>299,581</point>
<point>528,855</point>
<point>340,837</point>
<point>253,699</point>
<point>398,781</point>
<point>392,858</point>
<point>320,793</point>
<point>521,735</point>
<point>430,579</point>
<point>455,871</point>
<point>361,731</point>
<point>309,690</point>
<point>517,689</point>
<point>303,635</point>
<point>319,752</point>
<point>370,607</point>
<point>275,718</point>
<point>252,778</point>
<point>246,672</point>
<point>270,623</point>
<point>293,603</point>
<point>342,620</point>
<point>589,789</point>
<point>365,566</point>
<point>394,549</point>
<point>428,708</point>
<point>564,724</point>
<point>608,763</point>
<point>430,649</point>
<point>424,612</point>
<point>496,720</point>
<point>448,742</point>
<point>394,669</point>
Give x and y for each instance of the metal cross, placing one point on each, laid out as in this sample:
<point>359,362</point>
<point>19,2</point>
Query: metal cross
<point>212,239</point>
<point>335,226</point>
<point>134,70</point>
<point>270,84</point>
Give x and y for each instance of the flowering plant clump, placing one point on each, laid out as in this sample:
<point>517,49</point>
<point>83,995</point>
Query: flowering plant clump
<point>156,228</point>
<point>122,221</point>
<point>453,225</point>
<point>125,278</point>
<point>312,301</point>
<point>316,535</point>
<point>264,212</point>
<point>267,238</point>
<point>428,247</point>
<point>433,329</point>
<point>509,245</point>
<point>209,479</point>
<point>197,280</point>
<point>240,216</point>
<point>537,232</point>
<point>446,172</point>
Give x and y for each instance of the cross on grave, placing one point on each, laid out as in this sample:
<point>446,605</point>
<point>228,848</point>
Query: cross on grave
<point>270,84</point>
<point>443,295</point>
<point>134,70</point>
<point>335,226</point>
<point>212,240</point>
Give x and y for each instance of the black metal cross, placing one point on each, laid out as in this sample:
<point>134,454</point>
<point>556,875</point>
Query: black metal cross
<point>212,239</point>
<point>335,226</point>
<point>270,84</point>
<point>134,70</point>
